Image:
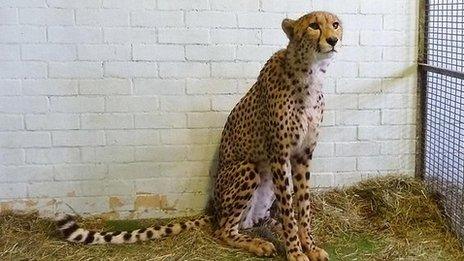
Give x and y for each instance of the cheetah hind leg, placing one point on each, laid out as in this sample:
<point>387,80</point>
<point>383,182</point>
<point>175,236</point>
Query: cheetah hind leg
<point>233,214</point>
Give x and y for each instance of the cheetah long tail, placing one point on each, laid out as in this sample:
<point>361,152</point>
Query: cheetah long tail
<point>72,232</point>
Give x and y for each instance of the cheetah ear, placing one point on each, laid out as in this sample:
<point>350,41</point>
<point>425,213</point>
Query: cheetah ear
<point>287,26</point>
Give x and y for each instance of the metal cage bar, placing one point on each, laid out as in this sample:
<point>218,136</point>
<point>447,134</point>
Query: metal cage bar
<point>441,82</point>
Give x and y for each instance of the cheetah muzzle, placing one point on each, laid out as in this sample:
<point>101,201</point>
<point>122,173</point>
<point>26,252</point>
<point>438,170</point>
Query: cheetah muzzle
<point>265,153</point>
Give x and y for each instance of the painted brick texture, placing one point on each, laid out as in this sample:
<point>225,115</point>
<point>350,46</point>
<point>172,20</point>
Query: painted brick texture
<point>116,107</point>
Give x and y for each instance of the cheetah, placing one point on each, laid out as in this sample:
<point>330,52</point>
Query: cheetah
<point>265,152</point>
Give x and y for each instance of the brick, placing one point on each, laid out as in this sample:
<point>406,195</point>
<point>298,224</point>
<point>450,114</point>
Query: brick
<point>400,85</point>
<point>344,101</point>
<point>79,172</point>
<point>203,152</point>
<point>338,133</point>
<point>23,104</point>
<point>382,7</point>
<point>101,121</point>
<point>102,17</point>
<point>210,52</point>
<point>358,117</point>
<point>337,6</point>
<point>68,188</point>
<point>377,163</point>
<point>137,170</point>
<point>9,52</point>
<point>192,69</point>
<point>108,154</point>
<point>401,22</point>
<point>225,102</point>
<point>129,4</point>
<point>383,38</point>
<point>104,52</point>
<point>362,22</point>
<point>329,118</point>
<point>10,87</point>
<point>12,156</point>
<point>206,120</point>
<point>131,104</point>
<point>52,155</point>
<point>383,69</point>
<point>157,121</point>
<point>27,70</point>
<point>71,4</point>
<point>324,149</point>
<point>401,116</point>
<point>77,104</point>
<point>379,132</point>
<point>48,52</point>
<point>395,147</point>
<point>286,6</point>
<point>211,86</point>
<point>274,37</point>
<point>159,86</point>
<point>105,86</point>
<point>183,4</point>
<point>386,101</point>
<point>75,69</point>
<point>129,35</point>
<point>189,136</point>
<point>184,185</point>
<point>360,53</point>
<point>357,148</point>
<point>13,191</point>
<point>358,85</point>
<point>9,16</point>
<point>11,122</point>
<point>255,53</point>
<point>69,34</point>
<point>399,54</point>
<point>334,164</point>
<point>46,16</point>
<point>161,153</point>
<point>26,173</point>
<point>351,38</point>
<point>184,169</point>
<point>24,139</point>
<point>343,69</point>
<point>78,138</point>
<point>238,5</point>
<point>22,34</point>
<point>49,87</point>
<point>52,121</point>
<point>210,19</point>
<point>236,69</point>
<point>260,20</point>
<point>85,205</point>
<point>157,18</point>
<point>159,52</point>
<point>132,137</point>
<point>130,69</point>
<point>184,36</point>
<point>348,178</point>
<point>185,103</point>
<point>235,36</point>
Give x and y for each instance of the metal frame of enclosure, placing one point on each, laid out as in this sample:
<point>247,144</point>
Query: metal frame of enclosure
<point>441,101</point>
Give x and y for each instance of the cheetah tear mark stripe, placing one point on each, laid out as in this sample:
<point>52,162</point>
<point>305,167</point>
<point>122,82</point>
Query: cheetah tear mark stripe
<point>73,233</point>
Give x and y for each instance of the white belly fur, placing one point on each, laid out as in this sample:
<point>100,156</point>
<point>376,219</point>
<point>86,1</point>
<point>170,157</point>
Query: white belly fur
<point>260,202</point>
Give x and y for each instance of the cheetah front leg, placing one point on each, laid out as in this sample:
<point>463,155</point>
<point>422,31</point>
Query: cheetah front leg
<point>281,174</point>
<point>301,176</point>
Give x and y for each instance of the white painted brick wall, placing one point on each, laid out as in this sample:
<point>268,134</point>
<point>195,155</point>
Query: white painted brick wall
<point>127,98</point>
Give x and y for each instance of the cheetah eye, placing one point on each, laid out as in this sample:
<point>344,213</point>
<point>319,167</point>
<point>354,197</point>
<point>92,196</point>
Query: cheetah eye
<point>336,25</point>
<point>314,26</point>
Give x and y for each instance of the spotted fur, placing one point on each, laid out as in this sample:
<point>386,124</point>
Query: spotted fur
<point>266,150</point>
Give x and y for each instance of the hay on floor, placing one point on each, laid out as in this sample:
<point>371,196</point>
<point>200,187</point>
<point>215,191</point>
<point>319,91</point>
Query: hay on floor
<point>388,218</point>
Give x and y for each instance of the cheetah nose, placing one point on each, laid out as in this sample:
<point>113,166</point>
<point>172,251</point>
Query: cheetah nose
<point>332,41</point>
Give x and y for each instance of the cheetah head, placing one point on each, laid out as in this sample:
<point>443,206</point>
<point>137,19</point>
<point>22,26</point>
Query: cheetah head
<point>318,32</point>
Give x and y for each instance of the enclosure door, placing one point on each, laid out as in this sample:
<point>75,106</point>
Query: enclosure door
<point>442,74</point>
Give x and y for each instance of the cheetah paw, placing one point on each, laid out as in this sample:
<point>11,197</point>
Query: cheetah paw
<point>317,254</point>
<point>297,256</point>
<point>261,247</point>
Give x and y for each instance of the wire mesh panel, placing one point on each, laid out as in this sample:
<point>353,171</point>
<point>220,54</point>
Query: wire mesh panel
<point>443,77</point>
